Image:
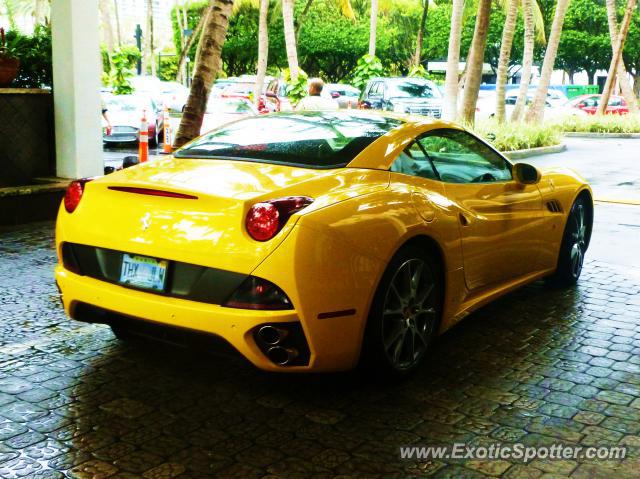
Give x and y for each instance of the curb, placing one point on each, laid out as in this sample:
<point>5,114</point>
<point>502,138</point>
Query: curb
<point>585,134</point>
<point>542,150</point>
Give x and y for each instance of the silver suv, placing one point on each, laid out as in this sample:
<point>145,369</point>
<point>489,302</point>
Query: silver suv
<point>403,95</point>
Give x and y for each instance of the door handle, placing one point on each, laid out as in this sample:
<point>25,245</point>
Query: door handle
<point>464,221</point>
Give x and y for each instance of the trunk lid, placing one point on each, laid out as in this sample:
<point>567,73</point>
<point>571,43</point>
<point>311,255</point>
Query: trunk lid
<point>207,230</point>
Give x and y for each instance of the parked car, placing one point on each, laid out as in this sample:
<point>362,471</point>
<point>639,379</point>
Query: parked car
<point>221,111</point>
<point>244,89</point>
<point>173,95</point>
<point>221,84</point>
<point>402,95</point>
<point>125,114</point>
<point>589,104</point>
<point>486,104</point>
<point>346,95</point>
<point>277,94</point>
<point>312,241</point>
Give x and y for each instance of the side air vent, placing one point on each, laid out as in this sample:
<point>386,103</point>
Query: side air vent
<point>554,206</point>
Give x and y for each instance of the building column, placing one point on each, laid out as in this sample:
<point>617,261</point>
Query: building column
<point>76,88</point>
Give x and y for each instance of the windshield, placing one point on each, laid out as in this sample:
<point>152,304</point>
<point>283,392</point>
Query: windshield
<point>306,139</point>
<point>412,89</point>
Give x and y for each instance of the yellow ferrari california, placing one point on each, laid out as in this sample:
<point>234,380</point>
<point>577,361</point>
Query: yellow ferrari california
<point>314,241</point>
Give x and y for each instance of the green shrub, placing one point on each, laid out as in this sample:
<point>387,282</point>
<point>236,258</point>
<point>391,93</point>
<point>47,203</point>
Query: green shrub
<point>34,53</point>
<point>297,91</point>
<point>367,68</point>
<point>517,136</point>
<point>602,124</point>
<point>123,61</point>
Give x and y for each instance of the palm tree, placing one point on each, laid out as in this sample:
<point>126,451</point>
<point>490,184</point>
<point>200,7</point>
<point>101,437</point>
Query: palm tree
<point>618,46</point>
<point>450,109</point>
<point>527,60</point>
<point>206,68</point>
<point>505,54</point>
<point>147,55</point>
<point>107,25</point>
<point>475,62</point>
<point>623,80</point>
<point>195,35</point>
<point>116,12</point>
<point>373,25</point>
<point>290,38</point>
<point>417,56</point>
<point>263,49</point>
<point>536,111</point>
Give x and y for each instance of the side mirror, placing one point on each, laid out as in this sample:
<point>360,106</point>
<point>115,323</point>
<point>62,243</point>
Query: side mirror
<point>526,174</point>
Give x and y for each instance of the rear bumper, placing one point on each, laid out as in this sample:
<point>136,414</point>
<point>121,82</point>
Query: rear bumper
<point>236,326</point>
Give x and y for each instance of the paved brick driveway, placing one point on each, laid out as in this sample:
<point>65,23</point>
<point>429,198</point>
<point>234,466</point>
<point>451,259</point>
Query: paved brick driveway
<point>539,366</point>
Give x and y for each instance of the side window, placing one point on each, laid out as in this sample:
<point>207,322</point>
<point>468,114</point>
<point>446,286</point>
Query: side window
<point>458,157</point>
<point>376,90</point>
<point>413,162</point>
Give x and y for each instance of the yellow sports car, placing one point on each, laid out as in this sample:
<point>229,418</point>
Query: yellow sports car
<point>313,241</point>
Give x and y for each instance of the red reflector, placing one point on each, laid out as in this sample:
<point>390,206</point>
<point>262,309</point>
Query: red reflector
<point>152,192</point>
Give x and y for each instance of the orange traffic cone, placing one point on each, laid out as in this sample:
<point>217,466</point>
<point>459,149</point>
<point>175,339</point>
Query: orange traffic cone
<point>167,147</point>
<point>143,143</point>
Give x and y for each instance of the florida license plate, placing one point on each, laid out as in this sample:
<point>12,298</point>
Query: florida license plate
<point>143,272</point>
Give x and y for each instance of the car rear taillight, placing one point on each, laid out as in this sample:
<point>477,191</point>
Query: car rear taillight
<point>258,293</point>
<point>74,193</point>
<point>265,219</point>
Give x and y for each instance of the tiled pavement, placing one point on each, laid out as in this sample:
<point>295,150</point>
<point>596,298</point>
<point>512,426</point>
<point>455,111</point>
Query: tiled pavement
<point>539,366</point>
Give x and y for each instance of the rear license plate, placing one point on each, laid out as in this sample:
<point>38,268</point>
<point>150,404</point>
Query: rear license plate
<point>143,272</point>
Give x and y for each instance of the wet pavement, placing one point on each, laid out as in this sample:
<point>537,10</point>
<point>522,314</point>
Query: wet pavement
<point>609,164</point>
<point>539,366</point>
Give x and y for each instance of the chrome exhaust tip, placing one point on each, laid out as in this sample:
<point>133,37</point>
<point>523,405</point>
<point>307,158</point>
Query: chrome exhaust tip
<point>282,356</point>
<point>271,336</point>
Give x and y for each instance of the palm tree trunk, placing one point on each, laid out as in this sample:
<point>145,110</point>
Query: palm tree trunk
<point>373,26</point>
<point>623,79</point>
<point>116,13</point>
<point>505,54</point>
<point>450,107</point>
<point>617,57</point>
<point>205,70</point>
<point>536,111</point>
<point>148,38</point>
<point>263,49</point>
<point>527,59</point>
<point>303,15</point>
<point>186,48</point>
<point>475,62</point>
<point>417,56</point>
<point>107,25</point>
<point>181,71</point>
<point>290,38</point>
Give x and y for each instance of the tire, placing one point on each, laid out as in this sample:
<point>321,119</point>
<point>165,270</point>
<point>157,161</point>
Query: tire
<point>575,242</point>
<point>120,332</point>
<point>405,314</point>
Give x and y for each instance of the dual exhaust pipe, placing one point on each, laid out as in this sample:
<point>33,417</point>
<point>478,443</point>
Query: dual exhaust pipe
<point>272,337</point>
